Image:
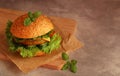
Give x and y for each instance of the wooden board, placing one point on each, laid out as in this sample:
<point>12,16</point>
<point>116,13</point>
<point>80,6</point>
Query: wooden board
<point>6,14</point>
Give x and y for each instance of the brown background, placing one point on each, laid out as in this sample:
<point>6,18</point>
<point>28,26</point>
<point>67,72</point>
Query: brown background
<point>98,28</point>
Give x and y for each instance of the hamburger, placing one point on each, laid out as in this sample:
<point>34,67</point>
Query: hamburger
<point>32,34</point>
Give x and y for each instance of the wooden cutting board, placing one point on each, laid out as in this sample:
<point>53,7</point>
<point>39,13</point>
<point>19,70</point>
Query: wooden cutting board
<point>7,14</point>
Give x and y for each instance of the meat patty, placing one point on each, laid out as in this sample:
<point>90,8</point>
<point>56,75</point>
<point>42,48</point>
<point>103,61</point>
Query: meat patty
<point>32,42</point>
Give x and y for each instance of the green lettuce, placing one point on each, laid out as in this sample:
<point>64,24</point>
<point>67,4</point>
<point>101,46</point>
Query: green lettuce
<point>30,51</point>
<point>52,45</point>
<point>12,45</point>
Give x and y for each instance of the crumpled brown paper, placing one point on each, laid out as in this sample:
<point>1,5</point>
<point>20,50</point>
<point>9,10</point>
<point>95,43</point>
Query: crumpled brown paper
<point>65,27</point>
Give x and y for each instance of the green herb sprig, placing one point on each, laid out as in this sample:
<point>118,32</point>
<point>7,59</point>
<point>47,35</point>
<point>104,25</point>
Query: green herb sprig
<point>31,17</point>
<point>71,65</point>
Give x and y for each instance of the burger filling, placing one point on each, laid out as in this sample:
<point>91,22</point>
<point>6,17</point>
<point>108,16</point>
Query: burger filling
<point>36,40</point>
<point>29,47</point>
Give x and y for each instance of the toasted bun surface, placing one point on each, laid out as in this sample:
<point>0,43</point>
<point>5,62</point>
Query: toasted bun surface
<point>40,26</point>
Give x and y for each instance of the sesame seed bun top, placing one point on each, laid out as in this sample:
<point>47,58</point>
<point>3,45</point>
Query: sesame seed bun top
<point>40,26</point>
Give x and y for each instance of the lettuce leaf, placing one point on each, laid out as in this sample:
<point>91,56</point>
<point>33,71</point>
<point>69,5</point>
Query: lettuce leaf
<point>30,51</point>
<point>53,44</point>
<point>9,37</point>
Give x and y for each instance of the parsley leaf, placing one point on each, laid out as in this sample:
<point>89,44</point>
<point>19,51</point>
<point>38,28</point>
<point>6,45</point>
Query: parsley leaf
<point>30,14</point>
<point>36,14</point>
<point>73,62</point>
<point>31,17</point>
<point>73,68</point>
<point>69,65</point>
<point>27,21</point>
<point>65,56</point>
<point>66,66</point>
